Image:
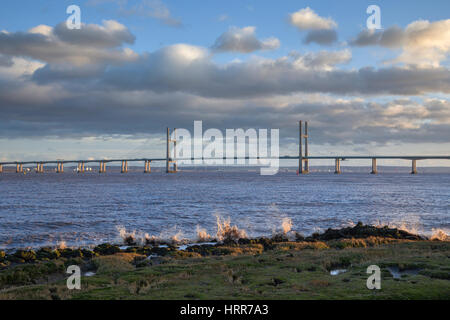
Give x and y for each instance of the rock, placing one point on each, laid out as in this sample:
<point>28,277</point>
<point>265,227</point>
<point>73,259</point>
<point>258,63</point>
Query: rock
<point>299,237</point>
<point>363,231</point>
<point>26,256</point>
<point>106,249</point>
<point>161,251</point>
<point>88,253</point>
<point>244,241</point>
<point>70,253</point>
<point>144,250</point>
<point>204,250</point>
<point>47,253</point>
<point>280,237</point>
<point>267,243</point>
<point>2,255</point>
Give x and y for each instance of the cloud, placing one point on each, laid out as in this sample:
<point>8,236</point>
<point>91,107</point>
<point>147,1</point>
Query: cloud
<point>334,120</point>
<point>155,9</point>
<point>243,40</point>
<point>90,45</point>
<point>223,17</point>
<point>322,37</point>
<point>5,61</point>
<point>422,42</point>
<point>110,35</point>
<point>322,60</point>
<point>307,19</point>
<point>171,70</point>
<point>48,92</point>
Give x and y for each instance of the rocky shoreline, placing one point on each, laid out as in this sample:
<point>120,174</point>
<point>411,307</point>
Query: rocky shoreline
<point>155,248</point>
<point>325,265</point>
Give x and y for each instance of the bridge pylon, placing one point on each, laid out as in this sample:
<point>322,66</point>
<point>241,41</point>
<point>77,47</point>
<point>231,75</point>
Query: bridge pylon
<point>171,163</point>
<point>303,164</point>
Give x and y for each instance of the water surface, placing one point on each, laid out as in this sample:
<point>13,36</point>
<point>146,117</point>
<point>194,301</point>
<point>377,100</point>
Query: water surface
<point>84,209</point>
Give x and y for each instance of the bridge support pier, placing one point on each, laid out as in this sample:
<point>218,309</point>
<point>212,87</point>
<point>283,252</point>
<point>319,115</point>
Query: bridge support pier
<point>374,166</point>
<point>1,168</point>
<point>80,167</point>
<point>337,166</point>
<point>40,168</point>
<point>102,167</point>
<point>60,167</point>
<point>19,168</point>
<point>147,168</point>
<point>414,166</point>
<point>124,167</point>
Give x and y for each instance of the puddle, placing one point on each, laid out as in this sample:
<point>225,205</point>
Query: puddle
<point>185,246</point>
<point>89,274</point>
<point>335,272</point>
<point>397,274</point>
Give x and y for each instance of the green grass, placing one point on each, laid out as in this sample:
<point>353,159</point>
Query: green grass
<point>288,271</point>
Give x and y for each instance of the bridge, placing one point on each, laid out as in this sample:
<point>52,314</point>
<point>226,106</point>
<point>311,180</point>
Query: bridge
<point>171,164</point>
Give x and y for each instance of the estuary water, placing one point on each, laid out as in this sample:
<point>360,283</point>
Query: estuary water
<point>85,209</point>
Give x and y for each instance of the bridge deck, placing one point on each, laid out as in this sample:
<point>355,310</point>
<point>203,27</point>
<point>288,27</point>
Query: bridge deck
<point>342,157</point>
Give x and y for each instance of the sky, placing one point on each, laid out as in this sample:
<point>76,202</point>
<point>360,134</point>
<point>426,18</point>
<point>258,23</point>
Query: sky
<point>110,88</point>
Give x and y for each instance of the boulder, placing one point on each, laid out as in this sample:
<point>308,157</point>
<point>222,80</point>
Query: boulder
<point>106,249</point>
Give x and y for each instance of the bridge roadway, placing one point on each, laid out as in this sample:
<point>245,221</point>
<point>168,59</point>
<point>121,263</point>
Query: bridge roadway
<point>332,157</point>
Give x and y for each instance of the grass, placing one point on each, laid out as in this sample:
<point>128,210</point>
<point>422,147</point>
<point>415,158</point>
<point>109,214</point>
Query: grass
<point>287,270</point>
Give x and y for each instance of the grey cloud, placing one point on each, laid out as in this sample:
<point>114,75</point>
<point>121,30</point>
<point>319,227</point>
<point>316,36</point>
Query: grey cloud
<point>322,37</point>
<point>392,37</point>
<point>93,44</point>
<point>111,35</point>
<point>5,61</point>
<point>172,70</point>
<point>332,121</point>
<point>243,40</point>
<point>189,69</point>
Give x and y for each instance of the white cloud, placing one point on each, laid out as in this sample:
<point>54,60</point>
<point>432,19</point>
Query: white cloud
<point>322,60</point>
<point>423,43</point>
<point>243,40</point>
<point>307,19</point>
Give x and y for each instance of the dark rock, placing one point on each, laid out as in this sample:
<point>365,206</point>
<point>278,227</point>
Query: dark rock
<point>144,250</point>
<point>47,253</point>
<point>280,237</point>
<point>204,250</point>
<point>244,241</point>
<point>161,251</point>
<point>88,253</point>
<point>129,240</point>
<point>27,256</point>
<point>299,237</point>
<point>363,231</point>
<point>106,249</point>
<point>70,253</point>
<point>267,243</point>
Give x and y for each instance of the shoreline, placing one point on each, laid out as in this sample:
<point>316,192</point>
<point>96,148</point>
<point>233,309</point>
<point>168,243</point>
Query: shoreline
<point>231,233</point>
<point>263,267</point>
